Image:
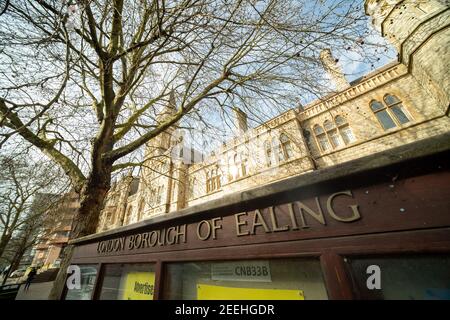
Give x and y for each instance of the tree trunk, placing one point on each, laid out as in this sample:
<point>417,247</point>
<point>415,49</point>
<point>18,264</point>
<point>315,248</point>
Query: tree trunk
<point>4,242</point>
<point>85,222</point>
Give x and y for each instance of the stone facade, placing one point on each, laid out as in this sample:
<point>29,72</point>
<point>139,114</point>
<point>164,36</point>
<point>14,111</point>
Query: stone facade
<point>395,105</point>
<point>56,229</point>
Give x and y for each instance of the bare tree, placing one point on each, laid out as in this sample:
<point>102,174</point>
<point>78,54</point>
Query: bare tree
<point>89,82</point>
<point>20,183</point>
<point>24,239</point>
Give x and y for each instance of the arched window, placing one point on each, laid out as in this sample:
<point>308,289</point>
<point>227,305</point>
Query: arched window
<point>321,137</point>
<point>391,113</point>
<point>395,106</point>
<point>286,146</point>
<point>332,133</point>
<point>278,151</point>
<point>208,182</point>
<point>213,180</point>
<point>191,188</point>
<point>128,216</point>
<point>236,164</point>
<point>244,168</point>
<point>344,129</point>
<point>141,209</point>
<point>268,152</point>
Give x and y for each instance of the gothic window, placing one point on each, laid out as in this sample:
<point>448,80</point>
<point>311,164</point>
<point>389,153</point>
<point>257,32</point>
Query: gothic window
<point>286,146</point>
<point>390,114</point>
<point>141,209</point>
<point>321,137</point>
<point>128,217</point>
<point>213,180</point>
<point>236,162</point>
<point>332,134</point>
<point>191,188</point>
<point>395,106</point>
<point>344,129</point>
<point>244,168</point>
<point>278,151</point>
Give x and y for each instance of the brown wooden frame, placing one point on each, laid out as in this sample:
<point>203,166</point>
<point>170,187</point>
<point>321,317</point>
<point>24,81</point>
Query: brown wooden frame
<point>330,248</point>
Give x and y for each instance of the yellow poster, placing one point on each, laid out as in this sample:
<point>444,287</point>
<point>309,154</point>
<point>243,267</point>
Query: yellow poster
<point>139,286</point>
<point>208,292</point>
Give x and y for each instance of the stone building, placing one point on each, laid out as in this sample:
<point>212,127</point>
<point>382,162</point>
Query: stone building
<point>398,104</point>
<point>57,224</point>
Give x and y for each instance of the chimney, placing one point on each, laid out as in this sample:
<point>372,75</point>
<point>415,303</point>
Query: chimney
<point>240,120</point>
<point>334,71</point>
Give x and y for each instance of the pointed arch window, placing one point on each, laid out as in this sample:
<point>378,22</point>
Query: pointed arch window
<point>286,146</point>
<point>395,105</point>
<point>141,209</point>
<point>213,178</point>
<point>344,129</point>
<point>391,113</point>
<point>332,134</point>
<point>321,138</point>
<point>191,188</point>
<point>335,134</point>
<point>278,150</point>
<point>244,168</point>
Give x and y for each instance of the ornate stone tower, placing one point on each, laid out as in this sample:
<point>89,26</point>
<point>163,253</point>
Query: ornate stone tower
<point>334,71</point>
<point>419,30</point>
<point>162,143</point>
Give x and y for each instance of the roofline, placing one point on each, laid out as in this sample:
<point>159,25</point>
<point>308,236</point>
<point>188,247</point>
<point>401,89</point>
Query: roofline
<point>408,152</point>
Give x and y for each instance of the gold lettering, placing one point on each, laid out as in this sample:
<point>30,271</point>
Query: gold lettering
<point>215,226</point>
<point>199,228</point>
<point>131,243</point>
<point>168,240</point>
<point>316,215</point>
<point>292,216</point>
<point>258,221</point>
<point>145,240</point>
<point>137,241</point>
<point>355,216</point>
<point>161,237</point>
<point>153,238</point>
<point>240,223</point>
<point>180,233</point>
<point>273,218</point>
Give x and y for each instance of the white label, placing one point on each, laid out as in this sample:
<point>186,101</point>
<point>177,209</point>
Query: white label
<point>258,271</point>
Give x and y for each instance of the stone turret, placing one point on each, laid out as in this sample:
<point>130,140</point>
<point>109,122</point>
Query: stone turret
<point>419,30</point>
<point>162,142</point>
<point>240,121</point>
<point>334,71</point>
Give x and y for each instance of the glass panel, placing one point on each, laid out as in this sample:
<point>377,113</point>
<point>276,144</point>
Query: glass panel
<point>347,135</point>
<point>399,113</point>
<point>375,106</point>
<point>289,279</point>
<point>328,125</point>
<point>385,119</point>
<point>88,276</point>
<point>424,277</point>
<point>335,138</point>
<point>318,130</point>
<point>324,144</point>
<point>340,120</point>
<point>288,149</point>
<point>390,100</point>
<point>128,282</point>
